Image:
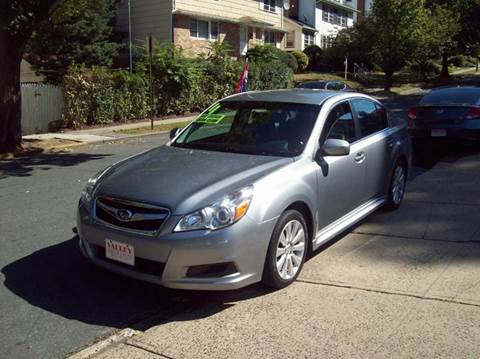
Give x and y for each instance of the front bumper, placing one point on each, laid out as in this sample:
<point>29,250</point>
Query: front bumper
<point>166,258</point>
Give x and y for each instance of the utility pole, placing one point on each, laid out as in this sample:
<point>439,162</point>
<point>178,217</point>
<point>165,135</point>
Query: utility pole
<point>346,67</point>
<point>150,61</point>
<point>130,57</point>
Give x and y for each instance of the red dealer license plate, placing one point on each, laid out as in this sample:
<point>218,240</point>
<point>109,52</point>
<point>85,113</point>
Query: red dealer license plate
<point>119,251</point>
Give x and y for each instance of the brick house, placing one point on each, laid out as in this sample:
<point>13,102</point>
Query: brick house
<point>194,24</point>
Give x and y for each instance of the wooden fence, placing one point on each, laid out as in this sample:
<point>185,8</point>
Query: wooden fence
<point>41,104</point>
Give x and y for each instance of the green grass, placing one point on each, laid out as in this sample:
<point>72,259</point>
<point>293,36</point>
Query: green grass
<point>321,76</point>
<point>157,128</point>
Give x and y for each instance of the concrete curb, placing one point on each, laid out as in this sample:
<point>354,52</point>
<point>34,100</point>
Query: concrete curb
<point>113,340</point>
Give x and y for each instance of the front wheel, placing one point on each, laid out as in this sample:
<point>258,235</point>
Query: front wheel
<point>287,250</point>
<point>398,183</point>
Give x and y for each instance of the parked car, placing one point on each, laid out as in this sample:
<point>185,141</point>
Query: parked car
<point>324,85</point>
<point>446,113</point>
<point>243,192</point>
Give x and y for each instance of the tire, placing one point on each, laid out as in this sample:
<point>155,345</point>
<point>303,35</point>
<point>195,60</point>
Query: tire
<point>396,189</point>
<point>279,273</point>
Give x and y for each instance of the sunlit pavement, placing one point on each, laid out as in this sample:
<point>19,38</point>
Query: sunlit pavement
<point>401,284</point>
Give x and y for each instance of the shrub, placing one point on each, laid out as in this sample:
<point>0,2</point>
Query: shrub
<point>270,53</point>
<point>269,76</point>
<point>269,68</point>
<point>302,60</point>
<point>98,96</point>
<point>461,61</point>
<point>315,57</point>
<point>174,76</point>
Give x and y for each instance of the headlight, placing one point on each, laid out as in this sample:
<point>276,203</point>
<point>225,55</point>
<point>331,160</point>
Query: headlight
<point>90,186</point>
<point>222,213</point>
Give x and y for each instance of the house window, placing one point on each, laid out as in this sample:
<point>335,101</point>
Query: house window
<point>290,39</point>
<point>270,38</point>
<point>269,5</point>
<point>334,16</point>
<point>202,29</point>
<point>308,39</point>
<point>326,41</point>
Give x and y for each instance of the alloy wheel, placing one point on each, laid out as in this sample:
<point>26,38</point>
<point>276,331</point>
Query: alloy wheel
<point>398,185</point>
<point>290,249</point>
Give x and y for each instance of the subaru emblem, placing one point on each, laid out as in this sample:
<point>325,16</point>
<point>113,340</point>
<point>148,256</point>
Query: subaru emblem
<point>124,215</point>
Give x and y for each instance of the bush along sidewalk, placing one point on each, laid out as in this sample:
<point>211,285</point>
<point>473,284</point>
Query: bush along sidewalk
<point>181,84</point>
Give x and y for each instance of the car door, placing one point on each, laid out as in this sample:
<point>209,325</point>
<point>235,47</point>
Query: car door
<point>341,179</point>
<point>377,143</point>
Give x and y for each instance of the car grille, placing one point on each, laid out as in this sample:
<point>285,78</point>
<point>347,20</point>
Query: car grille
<point>133,216</point>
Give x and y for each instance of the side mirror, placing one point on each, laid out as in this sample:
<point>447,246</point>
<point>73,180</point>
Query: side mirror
<point>334,147</point>
<point>174,132</point>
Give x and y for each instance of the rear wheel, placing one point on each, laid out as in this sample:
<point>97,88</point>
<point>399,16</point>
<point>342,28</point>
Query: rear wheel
<point>287,250</point>
<point>397,187</point>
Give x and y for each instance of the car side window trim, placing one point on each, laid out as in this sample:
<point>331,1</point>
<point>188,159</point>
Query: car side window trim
<point>326,126</point>
<point>357,120</point>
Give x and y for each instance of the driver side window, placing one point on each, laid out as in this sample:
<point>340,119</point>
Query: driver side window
<point>340,123</point>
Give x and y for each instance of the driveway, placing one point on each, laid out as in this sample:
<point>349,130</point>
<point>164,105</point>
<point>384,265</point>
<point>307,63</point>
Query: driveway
<point>401,284</point>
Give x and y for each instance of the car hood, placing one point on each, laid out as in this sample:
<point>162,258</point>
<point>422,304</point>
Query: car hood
<point>183,179</point>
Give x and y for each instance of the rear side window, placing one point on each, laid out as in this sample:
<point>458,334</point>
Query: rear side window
<point>371,117</point>
<point>340,124</point>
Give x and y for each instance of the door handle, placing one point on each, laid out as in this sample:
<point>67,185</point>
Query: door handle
<point>360,157</point>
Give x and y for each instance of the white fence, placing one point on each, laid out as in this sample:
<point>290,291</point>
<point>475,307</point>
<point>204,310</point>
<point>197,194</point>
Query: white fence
<point>41,104</point>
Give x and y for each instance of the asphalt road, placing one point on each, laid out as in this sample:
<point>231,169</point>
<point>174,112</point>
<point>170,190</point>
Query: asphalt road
<point>52,302</point>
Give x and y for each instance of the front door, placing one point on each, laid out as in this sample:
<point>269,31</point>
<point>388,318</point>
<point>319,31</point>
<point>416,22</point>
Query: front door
<point>375,137</point>
<point>341,179</point>
<point>243,40</point>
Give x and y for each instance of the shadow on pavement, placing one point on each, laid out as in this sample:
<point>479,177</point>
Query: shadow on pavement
<point>426,156</point>
<point>59,280</point>
<point>24,166</point>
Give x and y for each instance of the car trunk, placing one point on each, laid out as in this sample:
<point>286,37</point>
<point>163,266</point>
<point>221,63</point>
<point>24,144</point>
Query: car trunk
<point>442,115</point>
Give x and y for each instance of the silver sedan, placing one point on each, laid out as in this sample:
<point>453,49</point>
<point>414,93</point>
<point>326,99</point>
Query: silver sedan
<point>246,190</point>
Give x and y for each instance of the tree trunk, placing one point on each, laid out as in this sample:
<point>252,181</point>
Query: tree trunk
<point>444,74</point>
<point>10,97</point>
<point>388,80</point>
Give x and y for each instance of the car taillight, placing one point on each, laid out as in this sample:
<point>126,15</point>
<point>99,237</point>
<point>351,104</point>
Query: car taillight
<point>473,113</point>
<point>412,115</point>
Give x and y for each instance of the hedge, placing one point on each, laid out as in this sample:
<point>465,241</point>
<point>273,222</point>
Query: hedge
<point>181,85</point>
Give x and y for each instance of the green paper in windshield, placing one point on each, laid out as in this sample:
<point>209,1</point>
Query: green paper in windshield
<point>211,117</point>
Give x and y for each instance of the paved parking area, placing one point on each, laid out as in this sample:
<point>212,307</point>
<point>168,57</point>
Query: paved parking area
<point>402,284</point>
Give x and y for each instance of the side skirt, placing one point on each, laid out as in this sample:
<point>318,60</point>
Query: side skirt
<point>347,221</point>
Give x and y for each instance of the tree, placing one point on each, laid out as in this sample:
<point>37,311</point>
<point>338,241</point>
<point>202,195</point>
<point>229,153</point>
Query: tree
<point>82,37</point>
<point>459,19</point>
<point>430,40</point>
<point>394,28</point>
<point>17,22</point>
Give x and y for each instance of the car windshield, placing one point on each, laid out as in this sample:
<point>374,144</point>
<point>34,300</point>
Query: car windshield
<point>460,95</point>
<point>258,128</point>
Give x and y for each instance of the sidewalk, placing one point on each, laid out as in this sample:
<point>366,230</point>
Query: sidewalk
<point>103,134</point>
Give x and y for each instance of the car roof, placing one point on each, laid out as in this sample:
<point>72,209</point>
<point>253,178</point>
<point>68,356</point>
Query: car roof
<point>460,94</point>
<point>297,95</point>
<point>453,89</point>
